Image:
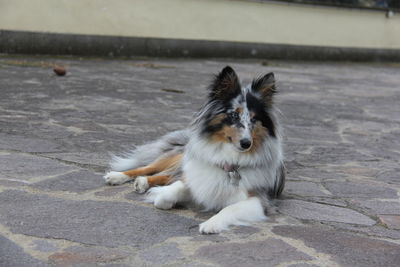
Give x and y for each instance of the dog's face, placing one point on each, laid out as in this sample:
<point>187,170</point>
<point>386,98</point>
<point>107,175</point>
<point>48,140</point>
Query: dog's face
<point>240,116</point>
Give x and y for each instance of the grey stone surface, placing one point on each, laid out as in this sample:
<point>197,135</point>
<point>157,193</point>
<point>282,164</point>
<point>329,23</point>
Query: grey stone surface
<point>25,167</point>
<point>86,256</point>
<point>341,138</point>
<point>100,223</point>
<point>304,189</point>
<point>360,190</point>
<point>390,221</point>
<point>44,246</point>
<point>377,206</point>
<point>26,144</point>
<point>77,181</point>
<point>270,252</point>
<point>111,191</point>
<point>162,254</point>
<point>12,255</point>
<point>320,212</point>
<point>345,248</point>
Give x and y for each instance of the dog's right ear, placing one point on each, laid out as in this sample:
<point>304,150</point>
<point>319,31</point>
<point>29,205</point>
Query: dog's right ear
<point>226,85</point>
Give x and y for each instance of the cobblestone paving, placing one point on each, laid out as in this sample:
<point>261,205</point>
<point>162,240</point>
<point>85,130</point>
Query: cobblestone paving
<point>341,205</point>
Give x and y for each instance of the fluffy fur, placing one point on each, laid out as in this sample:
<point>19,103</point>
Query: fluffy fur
<point>229,160</point>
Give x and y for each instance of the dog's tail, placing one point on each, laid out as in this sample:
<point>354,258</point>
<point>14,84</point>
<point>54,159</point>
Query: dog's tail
<point>145,154</point>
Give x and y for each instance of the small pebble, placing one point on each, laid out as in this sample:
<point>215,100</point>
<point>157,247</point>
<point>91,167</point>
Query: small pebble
<point>60,71</point>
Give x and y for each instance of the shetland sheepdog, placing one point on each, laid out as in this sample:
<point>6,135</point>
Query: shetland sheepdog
<point>229,160</point>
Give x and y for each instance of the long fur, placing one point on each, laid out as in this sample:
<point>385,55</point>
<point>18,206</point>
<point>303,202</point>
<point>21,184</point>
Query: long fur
<point>232,155</point>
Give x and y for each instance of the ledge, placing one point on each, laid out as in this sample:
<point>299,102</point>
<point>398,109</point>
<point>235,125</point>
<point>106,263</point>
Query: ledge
<point>21,42</point>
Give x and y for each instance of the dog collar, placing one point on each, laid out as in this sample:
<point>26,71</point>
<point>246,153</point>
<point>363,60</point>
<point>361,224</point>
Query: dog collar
<point>230,167</point>
<point>232,172</point>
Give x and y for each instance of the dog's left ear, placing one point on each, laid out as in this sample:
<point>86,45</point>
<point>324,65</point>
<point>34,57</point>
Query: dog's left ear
<point>265,86</point>
<point>226,85</point>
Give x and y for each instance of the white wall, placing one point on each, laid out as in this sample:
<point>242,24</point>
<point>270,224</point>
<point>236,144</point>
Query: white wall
<point>224,20</point>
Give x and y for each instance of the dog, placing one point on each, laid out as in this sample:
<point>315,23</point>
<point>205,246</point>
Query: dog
<point>229,160</point>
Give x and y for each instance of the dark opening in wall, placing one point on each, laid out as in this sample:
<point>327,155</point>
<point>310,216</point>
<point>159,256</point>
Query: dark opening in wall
<point>365,4</point>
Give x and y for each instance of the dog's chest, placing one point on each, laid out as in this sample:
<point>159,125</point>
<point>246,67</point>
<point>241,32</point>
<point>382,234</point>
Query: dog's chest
<point>211,186</point>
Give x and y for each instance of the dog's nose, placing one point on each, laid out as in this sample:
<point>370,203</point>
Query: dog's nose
<point>245,143</point>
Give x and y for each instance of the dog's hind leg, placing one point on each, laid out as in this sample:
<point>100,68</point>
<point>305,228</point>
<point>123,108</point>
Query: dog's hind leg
<point>142,183</point>
<point>165,163</point>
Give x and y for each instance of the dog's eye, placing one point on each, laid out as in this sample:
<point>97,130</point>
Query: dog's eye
<point>234,116</point>
<point>253,120</point>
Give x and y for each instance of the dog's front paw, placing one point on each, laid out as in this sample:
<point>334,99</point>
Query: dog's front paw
<point>214,225</point>
<point>141,185</point>
<point>116,178</point>
<point>163,203</point>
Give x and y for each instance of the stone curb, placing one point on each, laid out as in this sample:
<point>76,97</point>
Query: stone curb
<point>95,45</point>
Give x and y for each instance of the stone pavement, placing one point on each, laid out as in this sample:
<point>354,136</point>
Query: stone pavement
<point>341,205</point>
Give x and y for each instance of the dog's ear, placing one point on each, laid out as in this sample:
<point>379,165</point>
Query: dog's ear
<point>226,85</point>
<point>265,86</point>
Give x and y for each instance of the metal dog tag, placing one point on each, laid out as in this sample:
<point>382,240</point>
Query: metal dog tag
<point>234,177</point>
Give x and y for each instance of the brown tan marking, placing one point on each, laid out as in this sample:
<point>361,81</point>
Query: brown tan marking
<point>227,135</point>
<point>163,164</point>
<point>158,180</point>
<point>258,134</point>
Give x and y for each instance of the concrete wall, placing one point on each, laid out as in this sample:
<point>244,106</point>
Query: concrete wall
<point>213,20</point>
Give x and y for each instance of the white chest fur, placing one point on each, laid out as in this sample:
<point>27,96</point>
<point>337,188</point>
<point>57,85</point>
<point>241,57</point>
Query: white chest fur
<point>211,187</point>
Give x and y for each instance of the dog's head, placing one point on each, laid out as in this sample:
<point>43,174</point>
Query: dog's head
<point>239,115</point>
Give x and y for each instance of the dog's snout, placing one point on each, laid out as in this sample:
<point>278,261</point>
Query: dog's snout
<point>245,143</point>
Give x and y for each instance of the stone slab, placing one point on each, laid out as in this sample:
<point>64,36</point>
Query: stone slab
<point>27,144</point>
<point>376,206</point>
<point>304,189</point>
<point>25,167</point>
<point>86,256</point>
<point>345,248</point>
<point>109,224</point>
<point>12,255</point>
<point>319,212</point>
<point>360,190</point>
<point>77,181</point>
<point>269,252</point>
<point>391,221</point>
<point>162,254</point>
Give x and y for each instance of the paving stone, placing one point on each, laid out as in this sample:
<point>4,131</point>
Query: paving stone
<point>112,191</point>
<point>304,189</point>
<point>77,181</point>
<point>327,200</point>
<point>314,173</point>
<point>135,196</point>
<point>391,176</point>
<point>359,190</point>
<point>12,183</point>
<point>27,144</point>
<point>26,167</point>
<point>90,222</point>
<point>245,231</point>
<point>44,246</point>
<point>345,248</point>
<point>12,255</point>
<point>376,206</point>
<point>86,256</point>
<point>341,127</point>
<point>338,154</point>
<point>376,230</point>
<point>319,212</point>
<point>391,221</point>
<point>162,254</point>
<point>85,158</point>
<point>269,252</point>
<point>303,265</point>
